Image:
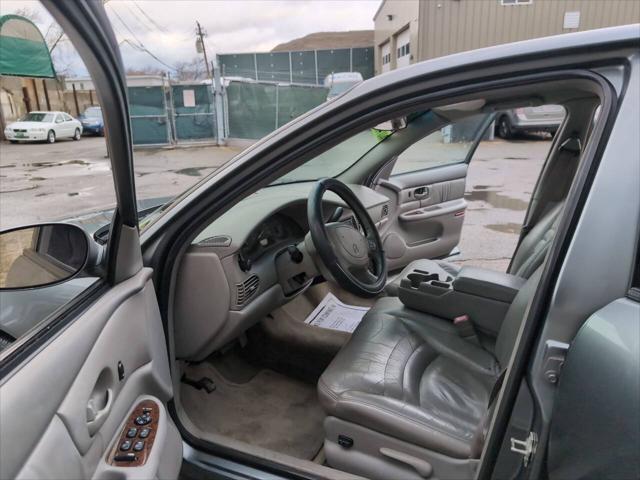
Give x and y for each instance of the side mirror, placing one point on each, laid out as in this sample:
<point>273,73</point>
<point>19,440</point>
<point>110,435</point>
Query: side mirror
<point>41,255</point>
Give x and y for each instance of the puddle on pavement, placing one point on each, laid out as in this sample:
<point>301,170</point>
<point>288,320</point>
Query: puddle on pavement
<point>19,189</point>
<point>485,187</point>
<point>505,227</point>
<point>11,165</point>
<point>191,171</point>
<point>58,164</point>
<point>516,158</point>
<point>496,199</point>
<point>37,179</point>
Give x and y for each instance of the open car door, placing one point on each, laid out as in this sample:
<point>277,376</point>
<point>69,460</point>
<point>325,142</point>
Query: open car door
<point>84,396</point>
<point>426,185</point>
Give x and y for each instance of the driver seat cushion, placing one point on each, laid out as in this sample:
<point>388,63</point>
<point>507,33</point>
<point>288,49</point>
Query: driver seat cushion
<point>409,375</point>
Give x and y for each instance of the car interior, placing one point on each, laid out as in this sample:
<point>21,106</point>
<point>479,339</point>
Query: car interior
<point>411,391</point>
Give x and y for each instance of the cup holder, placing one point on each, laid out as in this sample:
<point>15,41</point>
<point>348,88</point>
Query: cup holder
<point>418,277</point>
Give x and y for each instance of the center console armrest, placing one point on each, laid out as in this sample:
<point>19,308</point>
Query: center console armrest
<point>502,287</point>
<point>482,295</point>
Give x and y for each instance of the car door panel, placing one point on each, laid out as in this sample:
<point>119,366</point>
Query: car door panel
<point>425,215</point>
<point>602,364</point>
<point>58,126</point>
<point>47,399</point>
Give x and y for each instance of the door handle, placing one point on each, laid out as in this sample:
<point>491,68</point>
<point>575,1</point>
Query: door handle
<point>420,193</point>
<point>98,408</point>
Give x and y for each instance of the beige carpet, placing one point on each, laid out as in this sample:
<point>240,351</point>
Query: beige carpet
<point>269,410</point>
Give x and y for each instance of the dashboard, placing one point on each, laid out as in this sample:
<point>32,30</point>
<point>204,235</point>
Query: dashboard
<point>250,261</point>
<point>275,232</point>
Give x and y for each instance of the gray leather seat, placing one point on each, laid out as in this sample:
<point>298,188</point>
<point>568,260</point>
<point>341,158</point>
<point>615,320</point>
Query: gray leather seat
<point>409,376</point>
<point>528,257</point>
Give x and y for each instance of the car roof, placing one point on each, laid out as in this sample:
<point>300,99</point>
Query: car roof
<point>587,40</point>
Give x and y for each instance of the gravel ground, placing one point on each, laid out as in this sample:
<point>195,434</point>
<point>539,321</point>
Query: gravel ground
<point>40,182</point>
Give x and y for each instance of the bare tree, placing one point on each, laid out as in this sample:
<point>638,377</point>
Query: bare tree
<point>52,35</point>
<point>192,70</point>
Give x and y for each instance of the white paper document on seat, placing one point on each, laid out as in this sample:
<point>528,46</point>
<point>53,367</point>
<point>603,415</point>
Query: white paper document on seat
<point>335,315</point>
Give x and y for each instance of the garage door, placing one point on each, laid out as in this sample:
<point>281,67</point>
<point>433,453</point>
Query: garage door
<point>385,54</point>
<point>403,51</point>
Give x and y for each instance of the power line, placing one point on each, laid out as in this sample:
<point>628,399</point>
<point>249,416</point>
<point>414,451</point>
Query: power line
<point>140,45</point>
<point>126,26</point>
<point>139,20</point>
<point>141,48</point>
<point>153,22</point>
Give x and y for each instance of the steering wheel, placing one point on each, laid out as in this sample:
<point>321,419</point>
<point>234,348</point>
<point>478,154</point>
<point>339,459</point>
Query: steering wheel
<point>354,258</point>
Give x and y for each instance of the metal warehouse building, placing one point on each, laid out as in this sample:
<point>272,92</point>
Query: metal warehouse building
<point>411,31</point>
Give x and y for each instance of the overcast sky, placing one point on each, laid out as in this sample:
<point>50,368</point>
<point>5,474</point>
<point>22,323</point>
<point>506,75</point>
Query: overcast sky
<point>167,27</point>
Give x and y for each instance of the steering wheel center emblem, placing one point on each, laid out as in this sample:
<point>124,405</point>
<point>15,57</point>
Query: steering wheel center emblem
<point>356,250</point>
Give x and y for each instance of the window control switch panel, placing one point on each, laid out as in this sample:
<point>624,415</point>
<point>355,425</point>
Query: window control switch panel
<point>136,439</point>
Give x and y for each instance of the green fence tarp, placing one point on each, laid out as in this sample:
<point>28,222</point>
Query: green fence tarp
<point>256,110</point>
<point>294,101</point>
<point>23,51</point>
<point>196,120</point>
<point>252,109</point>
<point>298,66</point>
<point>149,116</point>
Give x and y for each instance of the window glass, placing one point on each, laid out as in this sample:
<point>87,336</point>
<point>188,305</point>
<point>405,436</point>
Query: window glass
<point>37,117</point>
<point>93,112</point>
<point>68,182</point>
<point>448,145</point>
<point>337,159</point>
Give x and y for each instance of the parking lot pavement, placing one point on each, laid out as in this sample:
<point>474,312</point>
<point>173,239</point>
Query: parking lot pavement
<point>40,182</point>
<point>501,178</point>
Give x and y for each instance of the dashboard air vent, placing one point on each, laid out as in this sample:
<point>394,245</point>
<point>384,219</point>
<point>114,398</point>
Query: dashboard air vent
<point>246,290</point>
<point>217,241</point>
<point>385,210</point>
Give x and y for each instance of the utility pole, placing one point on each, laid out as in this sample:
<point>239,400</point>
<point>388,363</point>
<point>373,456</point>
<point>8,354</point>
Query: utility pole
<point>200,42</point>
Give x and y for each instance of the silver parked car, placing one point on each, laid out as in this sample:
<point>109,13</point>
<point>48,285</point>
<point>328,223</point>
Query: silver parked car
<point>190,355</point>
<point>543,118</point>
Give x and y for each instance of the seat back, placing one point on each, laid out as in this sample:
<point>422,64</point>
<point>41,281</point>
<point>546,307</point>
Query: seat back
<point>510,328</point>
<point>534,246</point>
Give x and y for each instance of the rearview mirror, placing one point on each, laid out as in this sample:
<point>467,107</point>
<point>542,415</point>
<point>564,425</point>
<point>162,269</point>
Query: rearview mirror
<point>392,125</point>
<point>41,255</point>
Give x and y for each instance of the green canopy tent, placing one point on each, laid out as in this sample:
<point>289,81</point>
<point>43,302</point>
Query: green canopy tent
<point>23,51</point>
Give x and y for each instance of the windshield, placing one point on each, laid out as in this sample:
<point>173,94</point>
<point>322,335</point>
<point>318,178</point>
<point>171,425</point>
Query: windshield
<point>337,159</point>
<point>93,112</point>
<point>338,88</point>
<point>37,117</point>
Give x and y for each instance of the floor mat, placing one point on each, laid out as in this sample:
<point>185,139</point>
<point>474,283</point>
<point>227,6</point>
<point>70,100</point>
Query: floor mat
<point>270,411</point>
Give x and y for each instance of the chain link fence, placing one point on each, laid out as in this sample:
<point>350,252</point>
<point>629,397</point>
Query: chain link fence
<point>185,113</point>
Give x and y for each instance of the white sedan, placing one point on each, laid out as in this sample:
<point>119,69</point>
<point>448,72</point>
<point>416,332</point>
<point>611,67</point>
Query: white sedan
<point>43,126</point>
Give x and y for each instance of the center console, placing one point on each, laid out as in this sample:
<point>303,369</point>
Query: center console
<point>483,295</point>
